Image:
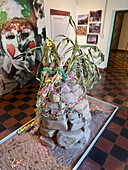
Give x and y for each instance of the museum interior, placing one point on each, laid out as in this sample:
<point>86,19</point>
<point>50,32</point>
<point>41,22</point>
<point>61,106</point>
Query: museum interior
<point>40,78</point>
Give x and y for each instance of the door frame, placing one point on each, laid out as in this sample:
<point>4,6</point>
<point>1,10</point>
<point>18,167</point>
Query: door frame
<point>113,30</point>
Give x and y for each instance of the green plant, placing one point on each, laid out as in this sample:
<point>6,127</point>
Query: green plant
<point>80,64</point>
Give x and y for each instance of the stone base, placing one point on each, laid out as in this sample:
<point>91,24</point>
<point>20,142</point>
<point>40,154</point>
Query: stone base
<point>67,132</point>
<point>70,129</point>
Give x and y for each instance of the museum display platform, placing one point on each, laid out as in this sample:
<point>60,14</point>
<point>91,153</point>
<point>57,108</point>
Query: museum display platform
<point>25,150</point>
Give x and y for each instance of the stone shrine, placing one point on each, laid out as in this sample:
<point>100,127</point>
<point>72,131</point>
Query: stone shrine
<point>70,129</point>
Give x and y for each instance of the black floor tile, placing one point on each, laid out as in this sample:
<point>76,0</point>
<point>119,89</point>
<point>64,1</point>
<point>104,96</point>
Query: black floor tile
<point>113,84</point>
<point>122,83</point>
<point>123,109</point>
<point>118,101</point>
<point>118,120</point>
<point>34,106</point>
<point>28,92</point>
<point>2,128</point>
<point>33,115</point>
<point>108,79</point>
<point>111,136</point>
<point>118,79</point>
<point>30,87</point>
<point>106,88</point>
<point>23,106</point>
<point>26,99</point>
<point>15,127</point>
<point>4,117</point>
<point>20,116</point>
<point>119,153</point>
<point>98,155</point>
<point>16,93</point>
<point>102,84</point>
<point>117,88</point>
<point>124,132</point>
<point>9,107</point>
<point>100,95</point>
<point>113,76</point>
<point>123,94</point>
<point>112,94</point>
<point>12,100</point>
<point>122,76</point>
<point>2,100</point>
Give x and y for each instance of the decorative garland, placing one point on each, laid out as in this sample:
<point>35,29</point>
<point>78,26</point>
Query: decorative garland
<point>46,69</point>
<point>41,91</point>
<point>26,128</point>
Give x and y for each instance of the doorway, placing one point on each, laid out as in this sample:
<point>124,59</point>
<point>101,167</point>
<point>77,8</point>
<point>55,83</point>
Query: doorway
<point>118,54</point>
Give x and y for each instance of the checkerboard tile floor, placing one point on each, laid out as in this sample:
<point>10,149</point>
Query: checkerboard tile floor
<point>119,61</point>
<point>111,150</point>
<point>17,108</point>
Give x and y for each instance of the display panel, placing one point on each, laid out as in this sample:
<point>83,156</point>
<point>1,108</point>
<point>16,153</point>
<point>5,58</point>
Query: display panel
<point>22,27</point>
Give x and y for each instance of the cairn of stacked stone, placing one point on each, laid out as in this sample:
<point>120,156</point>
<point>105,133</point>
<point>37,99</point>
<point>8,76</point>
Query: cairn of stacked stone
<point>71,127</point>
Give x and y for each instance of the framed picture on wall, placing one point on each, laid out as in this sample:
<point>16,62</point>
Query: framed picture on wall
<point>92,39</point>
<point>95,15</point>
<point>94,27</point>
<point>81,30</point>
<point>83,19</point>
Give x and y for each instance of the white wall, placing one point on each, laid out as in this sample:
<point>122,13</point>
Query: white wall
<point>85,6</point>
<point>124,33</point>
<point>64,5</point>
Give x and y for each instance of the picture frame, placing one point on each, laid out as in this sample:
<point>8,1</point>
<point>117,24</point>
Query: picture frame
<point>92,38</point>
<point>95,16</point>
<point>94,27</point>
<point>81,30</point>
<point>83,19</point>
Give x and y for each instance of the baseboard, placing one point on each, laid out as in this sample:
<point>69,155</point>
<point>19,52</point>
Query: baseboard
<point>119,50</point>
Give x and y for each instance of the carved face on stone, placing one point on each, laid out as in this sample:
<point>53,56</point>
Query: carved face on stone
<point>17,37</point>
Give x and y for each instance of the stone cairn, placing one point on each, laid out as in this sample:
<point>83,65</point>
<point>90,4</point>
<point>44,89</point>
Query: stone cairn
<point>70,129</point>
